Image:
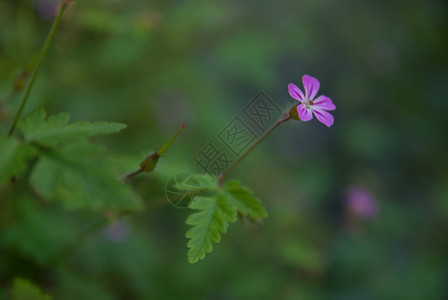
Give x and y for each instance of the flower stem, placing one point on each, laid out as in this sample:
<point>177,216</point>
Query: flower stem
<point>38,63</point>
<point>285,118</point>
<point>132,174</point>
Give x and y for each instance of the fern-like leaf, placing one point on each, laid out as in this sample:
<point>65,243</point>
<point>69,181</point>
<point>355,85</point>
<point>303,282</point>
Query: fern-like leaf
<point>212,219</point>
<point>241,197</point>
<point>55,129</point>
<point>215,214</point>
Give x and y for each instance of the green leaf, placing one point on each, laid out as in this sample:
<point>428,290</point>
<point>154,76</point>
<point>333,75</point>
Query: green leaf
<point>80,178</point>
<point>187,187</point>
<point>241,197</point>
<point>207,182</point>
<point>24,290</point>
<point>202,182</point>
<point>215,212</point>
<point>13,157</point>
<point>55,130</point>
<point>212,219</point>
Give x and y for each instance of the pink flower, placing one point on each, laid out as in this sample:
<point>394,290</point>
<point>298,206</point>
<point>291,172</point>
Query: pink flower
<point>309,106</point>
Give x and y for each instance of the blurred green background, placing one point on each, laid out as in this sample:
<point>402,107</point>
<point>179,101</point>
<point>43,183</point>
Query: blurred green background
<point>154,65</point>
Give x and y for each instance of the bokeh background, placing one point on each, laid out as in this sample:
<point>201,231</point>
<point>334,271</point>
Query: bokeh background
<point>357,211</point>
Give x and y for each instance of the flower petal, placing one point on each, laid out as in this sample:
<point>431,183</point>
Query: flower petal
<point>324,117</point>
<point>323,102</point>
<point>311,86</point>
<point>304,113</point>
<point>295,92</point>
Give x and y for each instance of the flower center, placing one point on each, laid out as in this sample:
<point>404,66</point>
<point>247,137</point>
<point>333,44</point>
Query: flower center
<point>309,103</point>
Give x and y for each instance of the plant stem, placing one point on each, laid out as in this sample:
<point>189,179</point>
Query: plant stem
<point>132,174</point>
<point>285,118</point>
<point>38,63</point>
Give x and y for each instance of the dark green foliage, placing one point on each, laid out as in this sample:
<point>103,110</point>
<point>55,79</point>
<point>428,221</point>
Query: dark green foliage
<point>154,65</point>
<point>14,156</point>
<point>69,168</point>
<point>79,176</point>
<point>33,232</point>
<point>25,290</point>
<point>56,130</point>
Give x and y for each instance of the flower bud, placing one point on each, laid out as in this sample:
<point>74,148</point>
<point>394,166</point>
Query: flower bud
<point>294,114</point>
<point>150,162</point>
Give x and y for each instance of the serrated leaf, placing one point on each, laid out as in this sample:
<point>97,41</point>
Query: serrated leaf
<point>241,197</point>
<point>215,213</point>
<point>78,177</point>
<point>212,219</point>
<point>200,182</point>
<point>207,182</point>
<point>13,157</point>
<point>55,129</point>
<point>24,290</point>
<point>188,187</point>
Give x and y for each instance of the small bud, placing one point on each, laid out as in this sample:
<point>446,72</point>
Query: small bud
<point>150,162</point>
<point>294,114</point>
<point>164,147</point>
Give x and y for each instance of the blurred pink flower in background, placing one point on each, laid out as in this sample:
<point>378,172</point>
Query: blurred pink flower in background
<point>46,9</point>
<point>361,203</point>
<point>117,231</point>
<point>309,106</point>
